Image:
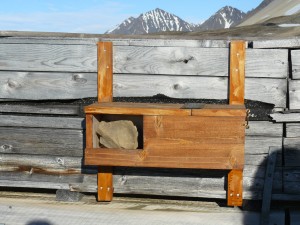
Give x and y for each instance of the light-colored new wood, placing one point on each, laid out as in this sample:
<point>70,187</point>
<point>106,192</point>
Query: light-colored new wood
<point>137,109</point>
<point>237,73</point>
<point>105,184</point>
<point>235,188</point>
<point>105,72</point>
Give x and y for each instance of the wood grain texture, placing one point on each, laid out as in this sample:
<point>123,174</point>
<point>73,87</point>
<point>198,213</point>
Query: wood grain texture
<point>237,73</point>
<point>41,122</point>
<point>137,109</point>
<point>165,182</point>
<point>43,164</point>
<point>49,40</point>
<point>294,94</point>
<point>63,142</point>
<point>265,90</point>
<point>295,54</point>
<point>235,188</point>
<point>277,43</point>
<point>44,85</point>
<point>105,72</point>
<point>54,109</point>
<point>264,128</point>
<point>105,184</point>
<point>18,85</point>
<point>291,151</point>
<point>293,129</point>
<point>261,144</point>
<point>43,57</point>
<point>197,61</point>
<point>285,117</point>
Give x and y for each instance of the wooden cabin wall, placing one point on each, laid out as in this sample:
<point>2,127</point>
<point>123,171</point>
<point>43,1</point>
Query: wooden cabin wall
<point>42,144</point>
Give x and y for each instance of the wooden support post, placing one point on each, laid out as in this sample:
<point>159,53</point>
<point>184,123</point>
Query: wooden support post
<point>236,97</point>
<point>105,94</point>
<point>237,73</point>
<point>235,188</point>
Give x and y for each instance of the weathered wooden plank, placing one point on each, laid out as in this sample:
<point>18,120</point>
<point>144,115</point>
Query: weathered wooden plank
<point>179,43</point>
<point>260,89</point>
<point>43,163</point>
<point>41,57</point>
<point>40,109</point>
<point>291,151</point>
<point>293,129</point>
<point>295,54</point>
<point>64,142</point>
<point>191,183</point>
<point>285,117</point>
<point>41,85</point>
<point>277,43</point>
<point>197,61</point>
<point>264,128</point>
<point>20,85</point>
<point>294,94</point>
<point>50,40</point>
<point>260,144</point>
<point>291,180</point>
<point>42,122</point>
<point>268,184</point>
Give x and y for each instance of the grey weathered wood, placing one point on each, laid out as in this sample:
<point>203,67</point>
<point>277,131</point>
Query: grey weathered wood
<point>294,94</point>
<point>285,117</point>
<point>42,122</point>
<point>50,40</point>
<point>295,54</point>
<point>18,85</point>
<point>260,144</point>
<point>68,196</point>
<point>261,159</point>
<point>260,89</point>
<point>131,59</point>
<point>197,61</point>
<point>277,43</point>
<point>63,142</point>
<point>291,180</point>
<point>292,151</point>
<point>268,185</point>
<point>264,128</point>
<point>59,164</point>
<point>42,57</point>
<point>293,129</point>
<point>41,85</point>
<point>40,109</point>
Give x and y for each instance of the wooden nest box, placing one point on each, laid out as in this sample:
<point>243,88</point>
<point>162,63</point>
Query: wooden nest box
<point>194,136</point>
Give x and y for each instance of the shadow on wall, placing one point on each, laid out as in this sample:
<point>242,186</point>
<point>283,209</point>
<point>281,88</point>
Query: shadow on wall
<point>39,222</point>
<point>270,179</point>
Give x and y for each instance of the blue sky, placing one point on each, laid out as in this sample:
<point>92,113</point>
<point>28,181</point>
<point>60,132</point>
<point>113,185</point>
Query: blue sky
<point>98,16</point>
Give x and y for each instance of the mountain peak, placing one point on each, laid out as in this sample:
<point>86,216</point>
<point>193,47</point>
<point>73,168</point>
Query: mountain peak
<point>159,20</point>
<point>153,21</point>
<point>226,17</point>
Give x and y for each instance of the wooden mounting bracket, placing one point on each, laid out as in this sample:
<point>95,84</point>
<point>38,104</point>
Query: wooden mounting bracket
<point>235,188</point>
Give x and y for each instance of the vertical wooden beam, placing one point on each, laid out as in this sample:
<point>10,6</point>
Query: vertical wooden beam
<point>105,94</point>
<point>235,188</point>
<point>105,72</point>
<point>89,130</point>
<point>237,73</point>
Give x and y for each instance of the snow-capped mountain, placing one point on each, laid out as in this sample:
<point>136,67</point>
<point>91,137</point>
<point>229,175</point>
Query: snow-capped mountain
<point>156,20</point>
<point>224,18</point>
